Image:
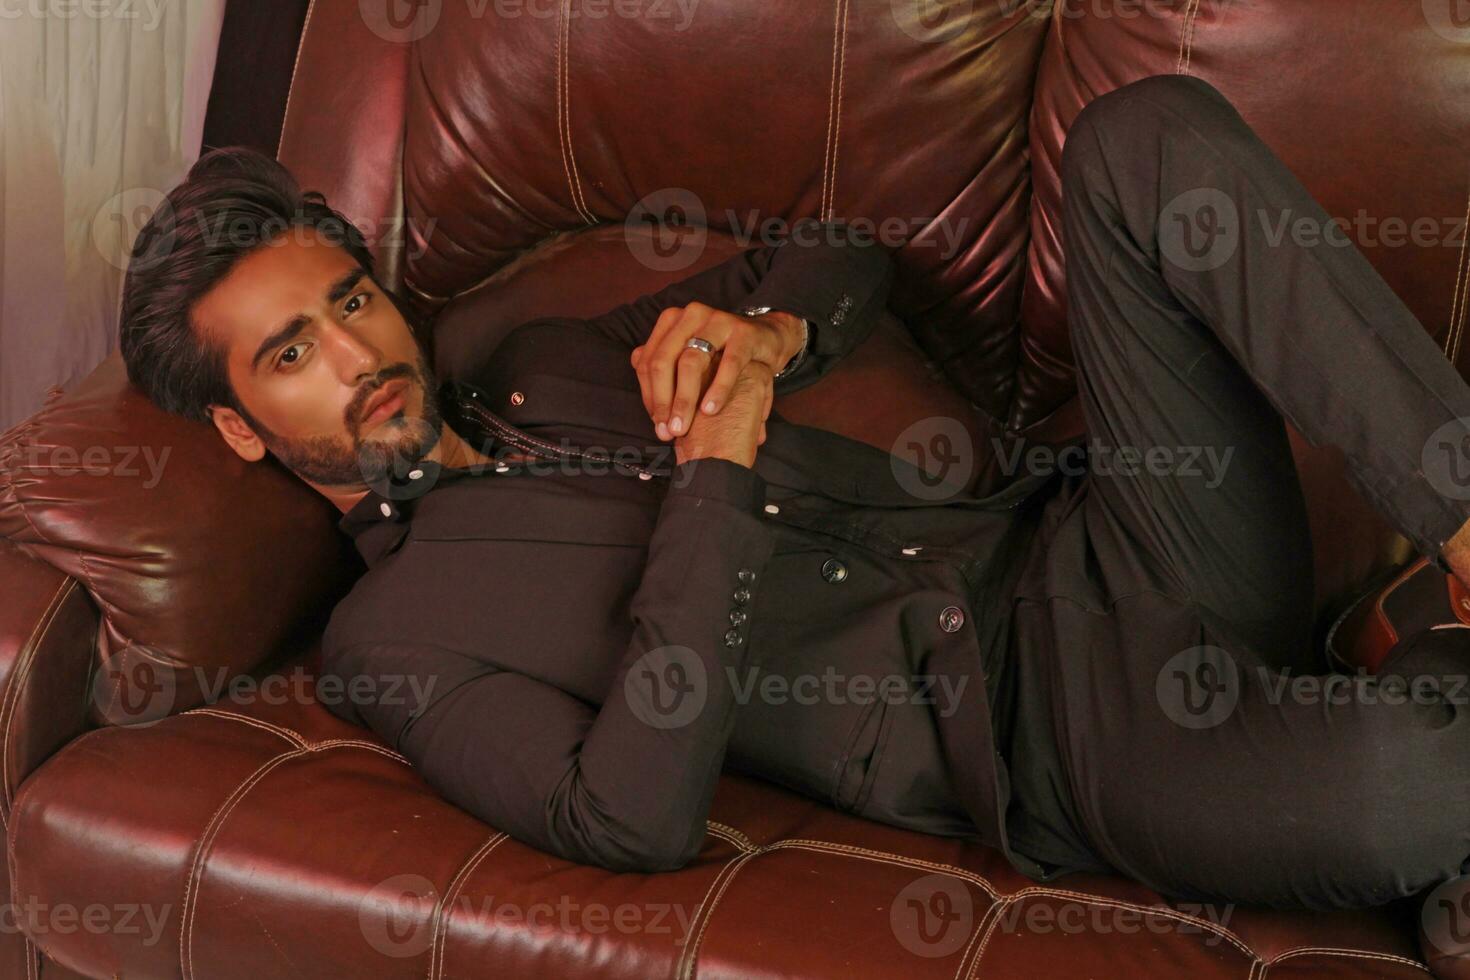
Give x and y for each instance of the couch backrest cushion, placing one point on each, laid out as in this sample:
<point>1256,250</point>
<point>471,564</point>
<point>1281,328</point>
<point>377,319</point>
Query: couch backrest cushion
<point>203,566</point>
<point>1364,101</point>
<point>524,120</point>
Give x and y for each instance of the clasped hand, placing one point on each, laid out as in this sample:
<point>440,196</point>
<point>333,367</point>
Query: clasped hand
<point>675,379</point>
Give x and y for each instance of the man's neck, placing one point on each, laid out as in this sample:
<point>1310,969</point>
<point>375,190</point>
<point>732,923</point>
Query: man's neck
<point>450,452</point>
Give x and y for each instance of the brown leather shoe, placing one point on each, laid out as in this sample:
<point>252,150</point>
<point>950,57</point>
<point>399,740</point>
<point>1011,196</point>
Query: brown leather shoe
<point>1416,598</point>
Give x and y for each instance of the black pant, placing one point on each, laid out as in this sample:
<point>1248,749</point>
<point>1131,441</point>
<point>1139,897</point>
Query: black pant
<point>1165,728</point>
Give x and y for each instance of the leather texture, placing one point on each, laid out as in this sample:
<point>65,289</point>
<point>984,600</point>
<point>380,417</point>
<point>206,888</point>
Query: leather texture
<point>492,162</point>
<point>200,563</point>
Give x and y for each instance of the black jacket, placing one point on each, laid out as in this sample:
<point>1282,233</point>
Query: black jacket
<point>572,650</point>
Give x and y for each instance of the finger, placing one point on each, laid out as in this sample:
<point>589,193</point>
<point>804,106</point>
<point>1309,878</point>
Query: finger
<point>663,363</point>
<point>732,364</point>
<point>693,369</point>
<point>667,321</point>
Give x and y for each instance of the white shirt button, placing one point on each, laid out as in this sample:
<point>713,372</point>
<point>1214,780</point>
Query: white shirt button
<point>913,551</point>
<point>502,468</point>
<point>645,475</point>
<point>415,474</point>
<point>387,511</point>
<point>772,509</point>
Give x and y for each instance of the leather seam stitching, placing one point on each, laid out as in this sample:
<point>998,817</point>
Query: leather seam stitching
<point>722,880</point>
<point>1186,38</point>
<point>982,935</point>
<point>1162,911</point>
<point>822,209</point>
<point>289,734</point>
<point>291,85</point>
<point>196,865</point>
<point>439,943</point>
<point>837,130</point>
<point>1350,953</point>
<point>217,821</point>
<point>24,664</point>
<point>564,107</point>
<point>1460,303</point>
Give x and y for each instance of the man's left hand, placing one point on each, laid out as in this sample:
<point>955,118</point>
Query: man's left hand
<point>674,377</point>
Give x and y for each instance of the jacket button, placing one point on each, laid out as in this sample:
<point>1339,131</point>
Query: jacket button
<point>745,575</point>
<point>833,570</point>
<point>742,596</point>
<point>387,511</point>
<point>517,398</point>
<point>772,509</point>
<point>737,617</point>
<point>951,619</point>
<point>732,638</point>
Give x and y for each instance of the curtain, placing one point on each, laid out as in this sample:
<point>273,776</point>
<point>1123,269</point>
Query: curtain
<point>101,112</point>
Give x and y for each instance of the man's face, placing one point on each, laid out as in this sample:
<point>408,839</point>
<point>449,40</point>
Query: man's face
<point>330,377</point>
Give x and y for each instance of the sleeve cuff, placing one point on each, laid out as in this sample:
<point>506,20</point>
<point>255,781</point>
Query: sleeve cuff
<point>713,478</point>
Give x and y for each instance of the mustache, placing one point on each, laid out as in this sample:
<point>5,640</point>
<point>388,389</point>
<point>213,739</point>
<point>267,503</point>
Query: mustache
<point>387,376</point>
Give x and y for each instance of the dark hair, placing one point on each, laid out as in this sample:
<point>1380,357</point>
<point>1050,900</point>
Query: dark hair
<point>233,201</point>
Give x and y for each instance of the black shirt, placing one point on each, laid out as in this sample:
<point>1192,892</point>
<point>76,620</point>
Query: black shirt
<point>578,645</point>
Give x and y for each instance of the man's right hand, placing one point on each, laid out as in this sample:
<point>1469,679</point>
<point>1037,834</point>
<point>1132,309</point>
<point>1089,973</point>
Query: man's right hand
<point>739,427</point>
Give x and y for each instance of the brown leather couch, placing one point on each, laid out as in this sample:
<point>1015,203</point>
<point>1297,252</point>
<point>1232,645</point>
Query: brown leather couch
<point>177,805</point>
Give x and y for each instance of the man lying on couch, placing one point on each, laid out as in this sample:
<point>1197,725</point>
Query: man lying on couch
<point>1084,670</point>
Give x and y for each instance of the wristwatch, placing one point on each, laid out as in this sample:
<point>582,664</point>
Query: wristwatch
<point>806,335</point>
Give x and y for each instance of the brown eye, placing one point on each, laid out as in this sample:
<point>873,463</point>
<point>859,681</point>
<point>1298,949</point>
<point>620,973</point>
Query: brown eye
<point>289,355</point>
<point>348,308</point>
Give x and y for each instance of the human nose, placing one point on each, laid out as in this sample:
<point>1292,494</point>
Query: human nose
<point>351,356</point>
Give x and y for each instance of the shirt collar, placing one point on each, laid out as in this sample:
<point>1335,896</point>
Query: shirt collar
<point>379,521</point>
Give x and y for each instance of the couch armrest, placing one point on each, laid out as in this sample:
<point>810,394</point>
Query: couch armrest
<point>47,629</point>
<point>48,626</point>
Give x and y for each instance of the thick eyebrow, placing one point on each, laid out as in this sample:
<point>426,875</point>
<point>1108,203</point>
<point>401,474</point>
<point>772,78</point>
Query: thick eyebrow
<point>338,291</point>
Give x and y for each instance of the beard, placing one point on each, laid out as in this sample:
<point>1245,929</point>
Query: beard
<point>397,443</point>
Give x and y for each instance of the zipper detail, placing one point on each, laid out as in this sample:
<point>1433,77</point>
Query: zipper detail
<point>529,443</point>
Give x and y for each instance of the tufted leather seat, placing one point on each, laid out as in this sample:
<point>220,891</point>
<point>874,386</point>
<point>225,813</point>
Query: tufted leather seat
<point>493,158</point>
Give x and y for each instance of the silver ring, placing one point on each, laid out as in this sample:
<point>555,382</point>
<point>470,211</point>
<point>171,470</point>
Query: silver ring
<point>699,343</point>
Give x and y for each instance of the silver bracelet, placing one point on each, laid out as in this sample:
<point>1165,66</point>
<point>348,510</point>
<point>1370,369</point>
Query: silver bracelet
<point>800,355</point>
